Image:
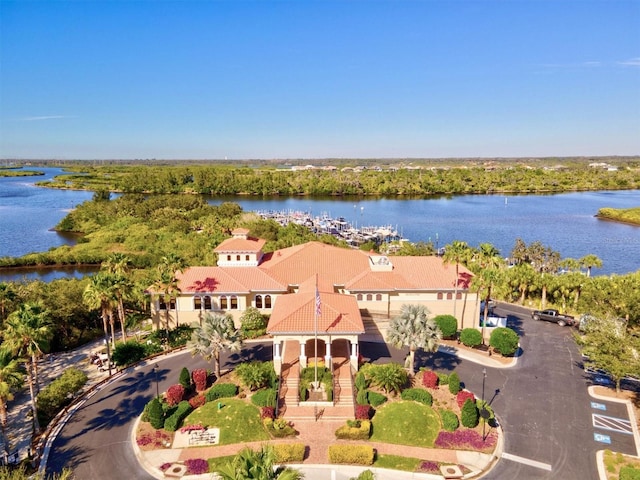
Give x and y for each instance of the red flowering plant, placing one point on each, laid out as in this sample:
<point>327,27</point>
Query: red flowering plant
<point>197,401</point>
<point>192,428</point>
<point>430,379</point>
<point>199,377</point>
<point>175,394</point>
<point>463,396</point>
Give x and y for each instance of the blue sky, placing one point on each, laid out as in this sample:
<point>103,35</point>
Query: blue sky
<point>317,79</point>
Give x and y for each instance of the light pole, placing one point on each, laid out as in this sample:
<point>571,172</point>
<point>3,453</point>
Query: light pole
<point>484,413</point>
<point>155,371</point>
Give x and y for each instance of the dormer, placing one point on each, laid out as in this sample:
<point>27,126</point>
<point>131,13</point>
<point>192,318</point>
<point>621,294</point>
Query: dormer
<point>240,250</point>
<point>380,263</point>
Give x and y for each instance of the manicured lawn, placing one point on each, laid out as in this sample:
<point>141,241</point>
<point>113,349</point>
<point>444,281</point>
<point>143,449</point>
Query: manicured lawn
<point>237,420</point>
<point>394,462</point>
<point>405,423</point>
<point>217,462</point>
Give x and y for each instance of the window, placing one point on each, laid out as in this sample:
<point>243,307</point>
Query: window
<point>223,303</point>
<point>459,296</point>
<point>162,305</point>
<point>228,258</point>
<point>197,303</point>
<point>440,296</point>
<point>267,301</point>
<point>449,295</point>
<point>359,297</point>
<point>237,258</point>
<point>378,297</point>
<point>258,301</point>
<point>246,257</point>
<point>369,297</point>
<point>172,304</point>
<point>207,303</point>
<point>234,302</point>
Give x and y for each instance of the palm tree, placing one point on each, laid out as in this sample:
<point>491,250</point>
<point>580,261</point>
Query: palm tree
<point>590,261</point>
<point>28,332</point>
<point>216,334</point>
<point>488,264</point>
<point>118,265</point>
<point>458,252</point>
<point>167,283</point>
<point>7,296</point>
<point>11,378</point>
<point>257,465</point>
<point>98,294</point>
<point>413,328</point>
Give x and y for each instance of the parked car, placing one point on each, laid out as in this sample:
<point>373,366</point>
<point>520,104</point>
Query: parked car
<point>551,315</point>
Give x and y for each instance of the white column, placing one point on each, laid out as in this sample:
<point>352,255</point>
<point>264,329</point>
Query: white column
<point>354,349</point>
<point>276,349</point>
<point>327,356</point>
<point>303,356</point>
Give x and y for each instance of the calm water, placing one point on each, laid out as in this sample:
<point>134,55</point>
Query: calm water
<point>564,222</point>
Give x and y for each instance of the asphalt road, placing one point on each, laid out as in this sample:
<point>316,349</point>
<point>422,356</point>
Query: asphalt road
<point>542,404</point>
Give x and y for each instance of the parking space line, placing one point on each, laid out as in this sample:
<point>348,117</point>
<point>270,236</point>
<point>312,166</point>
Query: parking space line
<point>613,424</point>
<point>527,461</point>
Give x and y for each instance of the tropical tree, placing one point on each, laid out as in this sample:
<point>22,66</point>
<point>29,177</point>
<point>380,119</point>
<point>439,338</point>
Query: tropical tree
<point>7,297</point>
<point>487,264</point>
<point>458,252</point>
<point>98,295</point>
<point>167,283</point>
<point>590,261</point>
<point>216,334</point>
<point>118,265</point>
<point>11,378</point>
<point>257,465</point>
<point>413,328</point>
<point>28,332</point>
<point>521,278</point>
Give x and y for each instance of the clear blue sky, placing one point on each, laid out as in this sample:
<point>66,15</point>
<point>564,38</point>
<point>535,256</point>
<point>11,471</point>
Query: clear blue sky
<point>316,79</point>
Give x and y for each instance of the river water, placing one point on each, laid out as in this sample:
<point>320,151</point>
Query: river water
<point>565,222</point>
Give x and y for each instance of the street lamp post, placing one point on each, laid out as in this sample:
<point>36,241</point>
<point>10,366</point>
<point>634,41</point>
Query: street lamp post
<point>484,413</point>
<point>155,371</point>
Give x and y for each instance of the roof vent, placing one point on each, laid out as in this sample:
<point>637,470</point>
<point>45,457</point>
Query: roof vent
<point>380,263</point>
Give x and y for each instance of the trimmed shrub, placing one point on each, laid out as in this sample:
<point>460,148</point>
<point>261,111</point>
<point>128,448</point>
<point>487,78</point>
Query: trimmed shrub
<point>264,398</point>
<point>361,381</point>
<point>361,397</point>
<point>252,323</point>
<point>155,413</point>
<point>351,454</point>
<point>175,394</point>
<point>303,393</point>
<point>443,378</point>
<point>504,341</point>
<point>363,412</point>
<point>199,377</point>
<point>430,379</point>
<point>469,415</point>
<point>185,378</point>
<point>449,419</point>
<point>279,427</point>
<point>471,337</point>
<point>447,324</point>
<point>221,390</point>
<point>128,353</point>
<point>390,377</point>
<point>375,399</point>
<point>197,401</point>
<point>354,430</point>
<point>629,473</point>
<point>59,393</point>
<point>173,422</point>
<point>463,396</point>
<point>255,375</point>
<point>417,395</point>
<point>289,452</point>
<point>454,383</point>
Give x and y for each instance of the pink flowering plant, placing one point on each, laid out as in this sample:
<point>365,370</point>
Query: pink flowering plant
<point>196,466</point>
<point>192,428</point>
<point>465,439</point>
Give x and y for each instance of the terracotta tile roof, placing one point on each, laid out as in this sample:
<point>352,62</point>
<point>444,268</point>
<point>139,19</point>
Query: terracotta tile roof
<point>242,245</point>
<point>295,313</point>
<point>430,273</point>
<point>226,280</point>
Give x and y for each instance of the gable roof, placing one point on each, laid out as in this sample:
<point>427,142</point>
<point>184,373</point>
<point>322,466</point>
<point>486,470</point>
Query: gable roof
<point>240,245</point>
<point>226,280</point>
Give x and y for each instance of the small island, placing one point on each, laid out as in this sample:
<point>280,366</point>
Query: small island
<point>14,172</point>
<point>626,215</point>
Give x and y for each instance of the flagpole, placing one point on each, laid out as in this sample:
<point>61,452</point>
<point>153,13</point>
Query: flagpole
<point>315,332</point>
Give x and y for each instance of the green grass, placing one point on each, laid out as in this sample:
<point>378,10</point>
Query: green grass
<point>217,462</point>
<point>629,215</point>
<point>394,462</point>
<point>406,423</point>
<point>237,420</point>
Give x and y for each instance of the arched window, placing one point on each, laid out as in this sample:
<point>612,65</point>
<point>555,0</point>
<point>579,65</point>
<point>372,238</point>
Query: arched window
<point>237,258</point>
<point>459,295</point>
<point>207,303</point>
<point>234,302</point>
<point>172,304</point>
<point>369,297</point>
<point>359,297</point>
<point>197,303</point>
<point>267,301</point>
<point>228,258</point>
<point>162,305</point>
<point>449,296</point>
<point>378,297</point>
<point>440,296</point>
<point>258,301</point>
<point>246,257</point>
<point>223,303</point>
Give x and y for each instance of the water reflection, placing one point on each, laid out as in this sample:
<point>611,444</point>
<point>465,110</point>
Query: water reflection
<point>45,274</point>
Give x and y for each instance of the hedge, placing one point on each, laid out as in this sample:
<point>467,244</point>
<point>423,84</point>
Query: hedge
<point>454,383</point>
<point>59,394</point>
<point>289,452</point>
<point>264,398</point>
<point>221,390</point>
<point>450,421</point>
<point>471,337</point>
<point>417,395</point>
<point>354,430</point>
<point>504,340</point>
<point>376,399</point>
<point>173,422</point>
<point>447,324</point>
<point>351,454</point>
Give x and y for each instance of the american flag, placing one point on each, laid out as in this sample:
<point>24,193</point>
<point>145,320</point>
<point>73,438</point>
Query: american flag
<point>318,304</point>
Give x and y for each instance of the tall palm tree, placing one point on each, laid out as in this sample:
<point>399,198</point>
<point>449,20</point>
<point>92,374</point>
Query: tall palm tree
<point>98,295</point>
<point>216,334</point>
<point>413,328</point>
<point>118,265</point>
<point>11,378</point>
<point>458,252</point>
<point>590,261</point>
<point>7,296</point>
<point>487,265</point>
<point>27,334</point>
<point>167,283</point>
<point>257,465</point>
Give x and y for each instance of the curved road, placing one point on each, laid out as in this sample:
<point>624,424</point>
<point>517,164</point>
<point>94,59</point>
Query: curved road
<point>542,404</point>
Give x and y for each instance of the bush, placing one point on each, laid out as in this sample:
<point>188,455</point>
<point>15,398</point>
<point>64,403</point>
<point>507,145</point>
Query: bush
<point>504,340</point>
<point>199,377</point>
<point>447,324</point>
<point>449,420</point>
<point>351,454</point>
<point>175,394</point>
<point>185,378</point>
<point>361,397</point>
<point>417,395</point>
<point>268,412</point>
<point>197,401</point>
<point>375,399</point>
<point>279,427</point>
<point>173,422</point>
<point>255,375</point>
<point>443,378</point>
<point>469,414</point>
<point>430,379</point>
<point>454,383</point>
<point>155,413</point>
<point>252,323</point>
<point>59,393</point>
<point>128,353</point>
<point>471,337</point>
<point>289,452</point>
<point>363,412</point>
<point>196,466</point>
<point>357,430</point>
<point>365,475</point>
<point>361,381</point>
<point>463,396</point>
<point>264,398</point>
<point>390,377</point>
<point>221,390</point>
<point>303,393</point>
<point>629,473</point>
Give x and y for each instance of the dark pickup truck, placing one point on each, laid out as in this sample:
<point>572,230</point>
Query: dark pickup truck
<point>551,315</point>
